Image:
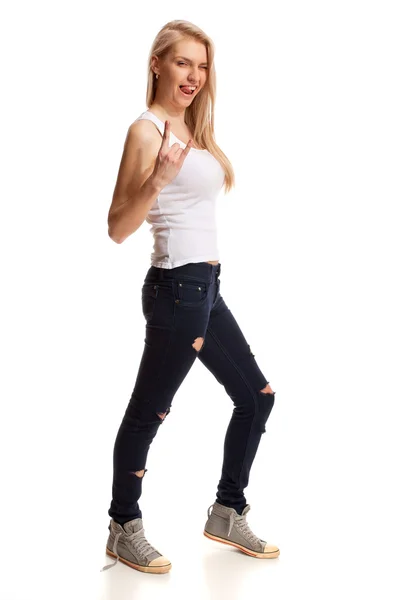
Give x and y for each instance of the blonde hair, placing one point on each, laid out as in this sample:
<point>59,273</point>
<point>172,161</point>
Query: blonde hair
<point>199,116</point>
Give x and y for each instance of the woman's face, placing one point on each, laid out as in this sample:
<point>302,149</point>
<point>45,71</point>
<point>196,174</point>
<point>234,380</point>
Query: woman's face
<point>185,65</point>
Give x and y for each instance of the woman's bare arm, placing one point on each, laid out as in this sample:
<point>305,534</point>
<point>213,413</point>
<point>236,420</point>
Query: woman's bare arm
<point>136,189</point>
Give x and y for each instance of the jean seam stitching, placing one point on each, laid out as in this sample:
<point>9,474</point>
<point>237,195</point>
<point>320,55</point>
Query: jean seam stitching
<point>254,395</point>
<point>171,337</point>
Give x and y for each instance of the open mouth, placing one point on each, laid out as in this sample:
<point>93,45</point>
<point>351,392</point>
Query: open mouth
<point>187,90</point>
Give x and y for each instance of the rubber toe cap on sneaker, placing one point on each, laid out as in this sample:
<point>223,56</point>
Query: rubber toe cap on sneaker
<point>271,549</point>
<point>161,561</point>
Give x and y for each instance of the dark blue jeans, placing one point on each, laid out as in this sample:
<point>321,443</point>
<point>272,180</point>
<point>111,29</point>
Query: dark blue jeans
<point>187,318</point>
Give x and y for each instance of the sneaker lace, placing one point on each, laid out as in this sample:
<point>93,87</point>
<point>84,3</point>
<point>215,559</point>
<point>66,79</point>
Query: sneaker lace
<point>243,526</point>
<point>141,546</point>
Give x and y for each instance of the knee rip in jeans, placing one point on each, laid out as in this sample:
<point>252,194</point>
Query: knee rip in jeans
<point>267,390</point>
<point>198,343</point>
<point>139,473</point>
<point>265,406</point>
<point>164,414</point>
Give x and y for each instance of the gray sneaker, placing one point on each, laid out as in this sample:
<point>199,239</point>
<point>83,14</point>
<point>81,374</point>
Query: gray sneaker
<point>227,526</point>
<point>128,544</point>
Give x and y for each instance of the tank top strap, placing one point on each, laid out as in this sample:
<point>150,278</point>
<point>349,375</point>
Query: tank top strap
<point>160,125</point>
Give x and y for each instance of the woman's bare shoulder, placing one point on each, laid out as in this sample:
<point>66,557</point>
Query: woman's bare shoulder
<point>145,131</point>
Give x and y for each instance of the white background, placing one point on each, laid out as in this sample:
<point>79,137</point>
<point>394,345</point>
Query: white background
<point>307,110</point>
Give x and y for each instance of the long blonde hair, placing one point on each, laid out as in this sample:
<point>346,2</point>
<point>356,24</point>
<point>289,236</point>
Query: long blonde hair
<point>199,116</point>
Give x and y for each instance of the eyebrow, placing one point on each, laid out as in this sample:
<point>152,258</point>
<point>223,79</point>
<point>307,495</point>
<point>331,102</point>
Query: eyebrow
<point>188,60</point>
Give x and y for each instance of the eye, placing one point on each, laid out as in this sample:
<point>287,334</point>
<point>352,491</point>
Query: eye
<point>183,63</point>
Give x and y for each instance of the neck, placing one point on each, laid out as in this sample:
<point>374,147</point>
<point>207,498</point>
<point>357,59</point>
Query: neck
<point>175,115</point>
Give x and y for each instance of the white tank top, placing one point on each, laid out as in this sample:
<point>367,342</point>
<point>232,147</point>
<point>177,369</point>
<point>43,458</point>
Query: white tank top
<point>183,217</point>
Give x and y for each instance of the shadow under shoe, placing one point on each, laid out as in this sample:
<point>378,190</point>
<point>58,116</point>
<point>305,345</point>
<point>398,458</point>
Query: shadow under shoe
<point>128,544</point>
<point>225,525</point>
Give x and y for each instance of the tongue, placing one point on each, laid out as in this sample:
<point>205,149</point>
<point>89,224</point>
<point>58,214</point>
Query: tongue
<point>186,89</point>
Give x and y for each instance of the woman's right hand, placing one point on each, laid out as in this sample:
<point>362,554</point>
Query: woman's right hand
<point>169,159</point>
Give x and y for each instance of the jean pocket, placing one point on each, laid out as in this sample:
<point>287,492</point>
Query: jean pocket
<point>149,295</point>
<point>190,294</point>
<point>217,294</point>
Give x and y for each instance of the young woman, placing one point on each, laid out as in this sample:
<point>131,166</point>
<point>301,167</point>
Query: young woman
<point>170,175</point>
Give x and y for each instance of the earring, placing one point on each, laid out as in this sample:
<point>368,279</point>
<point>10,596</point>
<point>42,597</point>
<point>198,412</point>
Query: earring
<point>157,76</point>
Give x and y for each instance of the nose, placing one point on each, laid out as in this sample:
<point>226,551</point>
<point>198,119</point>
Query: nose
<point>194,76</point>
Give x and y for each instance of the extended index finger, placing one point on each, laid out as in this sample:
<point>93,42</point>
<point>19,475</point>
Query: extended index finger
<point>165,138</point>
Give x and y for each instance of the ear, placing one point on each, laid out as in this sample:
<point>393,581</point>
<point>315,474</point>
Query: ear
<point>154,64</point>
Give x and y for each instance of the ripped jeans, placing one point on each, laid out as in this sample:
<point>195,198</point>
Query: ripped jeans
<point>187,318</point>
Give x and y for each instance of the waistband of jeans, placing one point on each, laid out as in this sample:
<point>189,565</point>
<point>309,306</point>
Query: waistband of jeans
<point>203,271</point>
